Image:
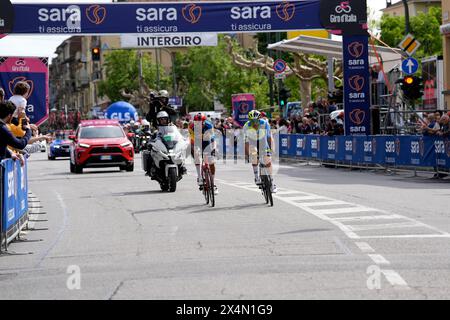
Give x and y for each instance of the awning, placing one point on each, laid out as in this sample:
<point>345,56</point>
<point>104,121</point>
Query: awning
<point>329,48</point>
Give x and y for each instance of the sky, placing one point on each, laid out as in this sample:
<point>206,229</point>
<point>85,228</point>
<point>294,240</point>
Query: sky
<point>45,46</point>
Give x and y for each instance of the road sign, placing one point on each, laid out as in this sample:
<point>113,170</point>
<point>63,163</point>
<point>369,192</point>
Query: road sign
<point>409,45</point>
<point>410,66</point>
<point>279,66</point>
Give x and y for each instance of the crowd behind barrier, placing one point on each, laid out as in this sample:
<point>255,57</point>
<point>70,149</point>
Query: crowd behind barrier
<point>393,151</point>
<point>14,200</point>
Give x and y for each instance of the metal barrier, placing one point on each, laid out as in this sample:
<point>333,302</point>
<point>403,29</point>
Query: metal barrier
<point>410,152</point>
<point>14,200</point>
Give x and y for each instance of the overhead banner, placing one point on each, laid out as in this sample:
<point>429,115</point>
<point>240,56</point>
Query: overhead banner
<point>34,71</point>
<point>167,17</point>
<point>356,85</point>
<point>348,17</point>
<point>168,40</point>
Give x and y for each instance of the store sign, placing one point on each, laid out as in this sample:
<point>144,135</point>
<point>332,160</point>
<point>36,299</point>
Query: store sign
<point>168,40</point>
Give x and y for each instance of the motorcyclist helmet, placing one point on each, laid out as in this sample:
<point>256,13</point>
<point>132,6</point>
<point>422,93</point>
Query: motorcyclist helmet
<point>162,118</point>
<point>164,94</point>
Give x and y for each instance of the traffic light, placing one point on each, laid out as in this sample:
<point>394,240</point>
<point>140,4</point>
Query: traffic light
<point>412,87</point>
<point>284,95</point>
<point>95,54</point>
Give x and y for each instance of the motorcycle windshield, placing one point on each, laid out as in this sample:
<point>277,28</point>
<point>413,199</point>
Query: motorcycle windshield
<point>170,135</point>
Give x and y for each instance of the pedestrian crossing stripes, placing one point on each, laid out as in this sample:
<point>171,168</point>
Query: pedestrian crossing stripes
<point>346,215</point>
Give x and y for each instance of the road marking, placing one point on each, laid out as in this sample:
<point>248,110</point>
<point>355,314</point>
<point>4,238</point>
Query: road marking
<point>283,192</point>
<point>406,236</point>
<point>300,198</point>
<point>364,247</point>
<point>383,226</point>
<point>395,279</point>
<point>324,203</point>
<point>362,218</point>
<point>345,210</point>
<point>378,259</point>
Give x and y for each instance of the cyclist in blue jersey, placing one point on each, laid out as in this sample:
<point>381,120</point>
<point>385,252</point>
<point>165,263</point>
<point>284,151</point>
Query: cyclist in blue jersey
<point>258,142</point>
<point>202,136</point>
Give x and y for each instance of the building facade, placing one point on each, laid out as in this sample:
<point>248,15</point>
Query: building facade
<point>445,31</point>
<point>414,6</point>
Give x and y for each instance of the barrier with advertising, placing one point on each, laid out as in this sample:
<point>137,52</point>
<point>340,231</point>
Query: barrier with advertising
<point>14,194</point>
<point>414,151</point>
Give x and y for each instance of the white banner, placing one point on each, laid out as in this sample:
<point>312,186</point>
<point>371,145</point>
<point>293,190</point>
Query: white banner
<point>168,40</point>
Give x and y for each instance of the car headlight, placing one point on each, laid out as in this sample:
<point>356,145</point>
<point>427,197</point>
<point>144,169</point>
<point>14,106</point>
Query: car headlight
<point>83,145</point>
<point>56,147</point>
<point>126,144</point>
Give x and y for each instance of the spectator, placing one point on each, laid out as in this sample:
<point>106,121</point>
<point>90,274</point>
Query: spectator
<point>432,127</point>
<point>2,94</point>
<point>283,126</point>
<point>444,130</point>
<point>6,137</point>
<point>334,128</point>
<point>381,88</point>
<point>305,128</point>
<point>315,129</point>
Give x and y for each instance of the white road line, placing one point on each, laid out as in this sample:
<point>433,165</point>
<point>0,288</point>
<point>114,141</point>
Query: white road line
<point>378,259</point>
<point>324,214</point>
<point>363,218</point>
<point>282,192</point>
<point>383,226</point>
<point>406,236</point>
<point>364,247</point>
<point>345,210</point>
<point>300,198</point>
<point>395,279</point>
<point>325,203</point>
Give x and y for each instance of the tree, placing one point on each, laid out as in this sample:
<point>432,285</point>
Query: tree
<point>307,68</point>
<point>206,73</point>
<point>122,74</point>
<point>424,27</point>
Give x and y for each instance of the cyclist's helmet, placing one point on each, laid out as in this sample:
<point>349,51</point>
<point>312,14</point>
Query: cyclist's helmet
<point>254,115</point>
<point>200,117</point>
<point>162,118</point>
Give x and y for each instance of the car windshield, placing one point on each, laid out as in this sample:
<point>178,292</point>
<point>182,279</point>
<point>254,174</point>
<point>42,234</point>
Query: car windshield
<point>101,132</point>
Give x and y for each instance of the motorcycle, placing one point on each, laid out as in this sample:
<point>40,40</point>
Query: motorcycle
<point>165,157</point>
<point>144,140</point>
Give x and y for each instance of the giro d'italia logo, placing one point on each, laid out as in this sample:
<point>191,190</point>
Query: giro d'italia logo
<point>192,13</point>
<point>285,11</point>
<point>96,14</point>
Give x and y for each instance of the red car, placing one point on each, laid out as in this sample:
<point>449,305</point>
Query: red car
<point>100,144</point>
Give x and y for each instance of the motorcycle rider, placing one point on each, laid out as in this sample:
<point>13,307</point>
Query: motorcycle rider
<point>202,134</point>
<point>163,122</point>
<point>159,103</point>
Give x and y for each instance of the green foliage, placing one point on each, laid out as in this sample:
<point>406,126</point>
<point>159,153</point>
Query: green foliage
<point>122,72</point>
<point>425,27</point>
<point>205,73</point>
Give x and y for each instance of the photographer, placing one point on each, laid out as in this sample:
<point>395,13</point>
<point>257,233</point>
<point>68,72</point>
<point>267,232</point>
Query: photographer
<point>157,104</point>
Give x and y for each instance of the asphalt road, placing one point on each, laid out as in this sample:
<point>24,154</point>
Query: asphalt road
<point>332,234</point>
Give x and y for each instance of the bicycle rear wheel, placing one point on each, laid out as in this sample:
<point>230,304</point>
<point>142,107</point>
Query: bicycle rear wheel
<point>269,191</point>
<point>264,188</point>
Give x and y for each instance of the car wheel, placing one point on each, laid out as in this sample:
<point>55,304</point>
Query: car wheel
<point>130,167</point>
<point>51,157</point>
<point>78,169</point>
